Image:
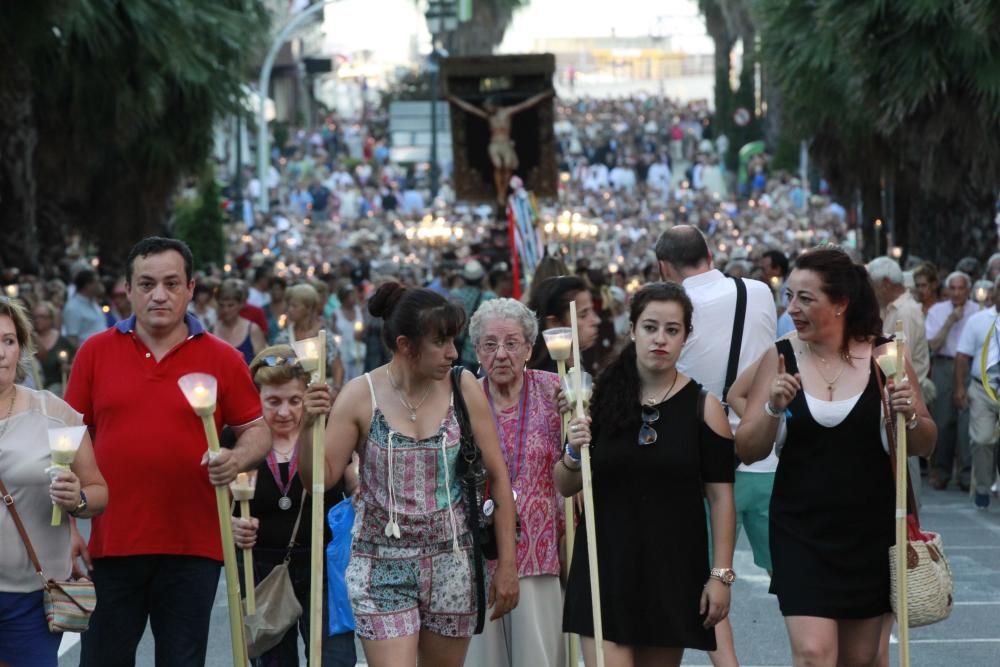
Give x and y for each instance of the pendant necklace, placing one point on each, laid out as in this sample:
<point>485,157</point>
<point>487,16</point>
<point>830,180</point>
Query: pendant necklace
<point>652,399</point>
<point>829,383</point>
<point>284,502</point>
<point>402,398</point>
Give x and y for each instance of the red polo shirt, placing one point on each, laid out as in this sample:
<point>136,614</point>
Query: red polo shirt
<point>149,442</point>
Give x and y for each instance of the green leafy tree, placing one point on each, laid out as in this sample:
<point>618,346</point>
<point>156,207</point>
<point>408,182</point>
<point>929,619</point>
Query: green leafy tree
<point>111,103</point>
<point>901,96</point>
<point>199,222</point>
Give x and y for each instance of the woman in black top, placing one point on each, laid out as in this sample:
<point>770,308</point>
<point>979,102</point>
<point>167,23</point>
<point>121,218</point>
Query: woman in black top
<point>660,446</point>
<point>831,515</point>
<point>277,503</point>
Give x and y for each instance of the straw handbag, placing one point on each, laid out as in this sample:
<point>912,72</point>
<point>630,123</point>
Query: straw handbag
<point>929,583</point>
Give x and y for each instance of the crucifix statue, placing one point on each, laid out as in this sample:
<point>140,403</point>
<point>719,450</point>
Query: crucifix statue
<point>501,149</point>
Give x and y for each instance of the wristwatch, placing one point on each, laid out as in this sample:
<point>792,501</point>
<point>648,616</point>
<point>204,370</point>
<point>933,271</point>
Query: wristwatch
<point>724,574</point>
<point>82,507</point>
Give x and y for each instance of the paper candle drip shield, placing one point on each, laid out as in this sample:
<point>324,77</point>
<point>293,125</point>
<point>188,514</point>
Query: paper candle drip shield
<point>200,390</point>
<point>559,342</point>
<point>244,486</point>
<point>64,443</point>
<point>887,360</point>
<point>569,382</point>
<point>307,352</point>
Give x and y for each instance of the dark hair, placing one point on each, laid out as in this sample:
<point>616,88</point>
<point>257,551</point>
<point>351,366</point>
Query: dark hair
<point>277,281</point>
<point>682,247</point>
<point>843,280</point>
<point>155,245</point>
<point>551,297</point>
<point>778,259</point>
<point>616,392</point>
<point>83,278</point>
<point>929,271</point>
<point>414,313</point>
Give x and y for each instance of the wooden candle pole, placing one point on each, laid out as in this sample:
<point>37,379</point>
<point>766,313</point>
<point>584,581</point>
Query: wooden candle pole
<point>316,630</point>
<point>588,499</point>
<point>570,512</point>
<point>248,565</point>
<point>902,471</point>
<point>228,552</point>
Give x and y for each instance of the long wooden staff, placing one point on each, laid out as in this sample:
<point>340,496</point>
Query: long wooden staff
<point>316,630</point>
<point>902,471</point>
<point>588,499</point>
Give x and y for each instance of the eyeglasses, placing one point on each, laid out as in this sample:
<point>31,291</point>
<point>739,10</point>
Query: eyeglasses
<point>647,434</point>
<point>511,346</point>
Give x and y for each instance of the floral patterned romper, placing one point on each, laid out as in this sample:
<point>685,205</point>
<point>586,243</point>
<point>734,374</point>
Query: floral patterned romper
<point>411,564</point>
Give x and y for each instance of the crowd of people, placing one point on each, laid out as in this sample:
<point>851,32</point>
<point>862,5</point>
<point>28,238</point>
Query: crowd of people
<point>731,343</point>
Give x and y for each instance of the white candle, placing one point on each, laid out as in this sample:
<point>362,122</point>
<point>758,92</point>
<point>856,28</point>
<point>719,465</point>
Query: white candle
<point>311,351</point>
<point>560,348</point>
<point>358,327</point>
<point>201,397</point>
<point>243,487</point>
<point>981,295</point>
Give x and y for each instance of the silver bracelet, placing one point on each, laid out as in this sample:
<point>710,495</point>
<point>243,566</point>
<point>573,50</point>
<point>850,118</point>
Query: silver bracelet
<point>771,412</point>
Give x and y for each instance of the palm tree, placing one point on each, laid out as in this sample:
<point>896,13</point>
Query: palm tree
<point>482,33</point>
<point>122,100</point>
<point>902,91</point>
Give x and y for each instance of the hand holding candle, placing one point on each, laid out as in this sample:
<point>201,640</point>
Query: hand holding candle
<point>64,443</point>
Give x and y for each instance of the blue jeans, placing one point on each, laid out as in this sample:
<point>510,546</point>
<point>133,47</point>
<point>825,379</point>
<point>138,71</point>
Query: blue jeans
<point>25,640</point>
<point>337,650</point>
<point>175,593</point>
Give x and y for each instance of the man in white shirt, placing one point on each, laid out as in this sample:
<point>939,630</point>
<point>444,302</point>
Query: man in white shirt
<point>945,322</point>
<point>970,393</point>
<point>684,258</point>
<point>658,177</point>
<point>896,303</point>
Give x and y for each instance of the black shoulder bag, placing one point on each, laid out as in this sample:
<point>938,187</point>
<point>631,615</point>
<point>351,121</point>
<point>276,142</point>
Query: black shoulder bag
<point>736,344</point>
<point>472,475</point>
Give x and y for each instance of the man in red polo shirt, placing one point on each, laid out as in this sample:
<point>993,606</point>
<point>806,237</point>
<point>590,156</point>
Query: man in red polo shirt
<point>157,549</point>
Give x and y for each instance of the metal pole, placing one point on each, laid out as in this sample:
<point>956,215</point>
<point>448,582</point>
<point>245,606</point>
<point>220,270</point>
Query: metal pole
<point>238,181</point>
<point>263,147</point>
<point>434,127</point>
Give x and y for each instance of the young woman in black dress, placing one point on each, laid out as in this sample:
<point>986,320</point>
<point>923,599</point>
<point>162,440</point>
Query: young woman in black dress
<point>832,506</point>
<point>659,448</point>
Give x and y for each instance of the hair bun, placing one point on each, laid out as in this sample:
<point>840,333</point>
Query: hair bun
<point>385,299</point>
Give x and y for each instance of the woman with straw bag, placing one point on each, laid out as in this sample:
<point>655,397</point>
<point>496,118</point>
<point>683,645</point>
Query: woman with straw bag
<point>832,509</point>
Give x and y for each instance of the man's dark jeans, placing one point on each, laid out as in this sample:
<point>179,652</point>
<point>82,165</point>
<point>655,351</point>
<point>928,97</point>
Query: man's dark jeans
<point>174,593</point>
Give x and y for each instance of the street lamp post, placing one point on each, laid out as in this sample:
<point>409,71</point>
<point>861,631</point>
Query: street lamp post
<point>263,149</point>
<point>441,18</point>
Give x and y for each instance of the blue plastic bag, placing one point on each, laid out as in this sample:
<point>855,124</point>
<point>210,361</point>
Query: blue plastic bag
<point>338,553</point>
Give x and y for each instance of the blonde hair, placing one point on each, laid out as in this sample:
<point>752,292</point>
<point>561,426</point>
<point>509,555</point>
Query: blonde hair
<point>305,294</point>
<point>15,310</point>
<point>232,289</point>
<point>276,364</point>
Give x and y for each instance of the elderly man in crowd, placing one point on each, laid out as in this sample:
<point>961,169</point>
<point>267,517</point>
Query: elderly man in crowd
<point>980,339</point>
<point>897,304</point>
<point>945,322</point>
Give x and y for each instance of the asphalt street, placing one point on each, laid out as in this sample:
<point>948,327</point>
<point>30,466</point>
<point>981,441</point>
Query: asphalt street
<point>969,638</point>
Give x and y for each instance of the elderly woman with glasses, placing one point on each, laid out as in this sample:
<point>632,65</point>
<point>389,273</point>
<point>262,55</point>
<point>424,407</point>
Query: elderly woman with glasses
<point>660,444</point>
<point>280,508</point>
<point>525,410</point>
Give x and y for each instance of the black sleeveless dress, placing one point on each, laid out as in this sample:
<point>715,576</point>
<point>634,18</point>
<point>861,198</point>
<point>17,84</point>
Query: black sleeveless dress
<point>652,541</point>
<point>832,510</point>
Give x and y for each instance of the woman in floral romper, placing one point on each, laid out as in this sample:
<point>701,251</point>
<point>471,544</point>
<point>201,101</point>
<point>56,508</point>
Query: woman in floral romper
<point>411,576</point>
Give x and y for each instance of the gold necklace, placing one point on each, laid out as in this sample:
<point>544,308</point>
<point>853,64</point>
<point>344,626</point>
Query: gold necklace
<point>402,398</point>
<point>653,401</point>
<point>829,383</point>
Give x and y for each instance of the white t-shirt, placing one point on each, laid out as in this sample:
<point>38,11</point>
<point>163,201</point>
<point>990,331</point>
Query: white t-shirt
<point>706,352</point>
